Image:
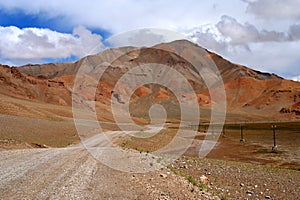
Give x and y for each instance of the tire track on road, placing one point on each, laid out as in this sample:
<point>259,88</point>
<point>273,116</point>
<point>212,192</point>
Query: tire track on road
<point>20,167</point>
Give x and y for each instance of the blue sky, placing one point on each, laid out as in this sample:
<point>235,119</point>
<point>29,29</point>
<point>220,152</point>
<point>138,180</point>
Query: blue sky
<point>19,18</point>
<point>263,35</point>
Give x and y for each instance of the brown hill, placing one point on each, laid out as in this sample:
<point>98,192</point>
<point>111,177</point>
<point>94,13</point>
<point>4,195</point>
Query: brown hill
<point>20,85</point>
<point>250,94</point>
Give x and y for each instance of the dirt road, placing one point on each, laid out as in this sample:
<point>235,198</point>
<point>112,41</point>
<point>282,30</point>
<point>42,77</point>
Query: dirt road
<point>72,173</point>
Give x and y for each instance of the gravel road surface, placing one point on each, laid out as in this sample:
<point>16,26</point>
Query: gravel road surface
<point>72,173</point>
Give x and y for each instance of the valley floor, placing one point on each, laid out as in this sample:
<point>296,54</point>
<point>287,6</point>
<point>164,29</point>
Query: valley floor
<point>72,173</point>
<point>239,180</point>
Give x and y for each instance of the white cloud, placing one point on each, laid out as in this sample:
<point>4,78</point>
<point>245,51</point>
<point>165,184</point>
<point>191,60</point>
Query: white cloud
<point>245,33</point>
<point>209,37</point>
<point>294,32</point>
<point>279,58</point>
<point>272,25</point>
<point>274,57</point>
<point>29,44</point>
<point>263,50</point>
<point>123,15</point>
<point>144,37</point>
<point>230,36</point>
<point>296,78</point>
<point>274,9</point>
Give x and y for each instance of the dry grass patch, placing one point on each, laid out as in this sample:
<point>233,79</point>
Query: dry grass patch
<point>149,144</point>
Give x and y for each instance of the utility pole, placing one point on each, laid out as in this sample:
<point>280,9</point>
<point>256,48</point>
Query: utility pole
<point>223,130</point>
<point>242,134</point>
<point>274,148</point>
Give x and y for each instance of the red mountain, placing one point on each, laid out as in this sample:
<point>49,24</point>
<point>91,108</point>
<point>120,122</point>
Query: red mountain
<point>250,94</point>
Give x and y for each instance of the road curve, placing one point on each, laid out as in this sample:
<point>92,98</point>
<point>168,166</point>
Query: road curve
<point>72,173</point>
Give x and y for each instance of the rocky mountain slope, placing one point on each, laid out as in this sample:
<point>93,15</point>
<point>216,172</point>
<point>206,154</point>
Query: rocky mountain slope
<point>251,94</point>
<point>14,83</point>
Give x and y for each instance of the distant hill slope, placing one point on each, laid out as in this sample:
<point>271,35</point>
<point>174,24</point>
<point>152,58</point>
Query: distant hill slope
<point>250,94</point>
<point>20,85</point>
